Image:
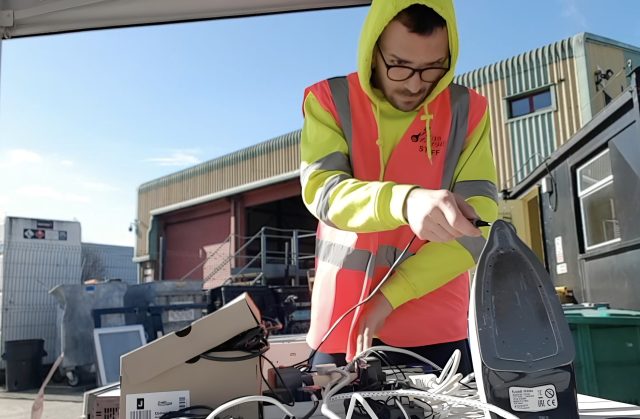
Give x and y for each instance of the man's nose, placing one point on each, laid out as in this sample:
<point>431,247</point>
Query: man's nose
<point>414,83</point>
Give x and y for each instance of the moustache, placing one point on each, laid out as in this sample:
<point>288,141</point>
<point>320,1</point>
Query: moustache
<point>410,95</point>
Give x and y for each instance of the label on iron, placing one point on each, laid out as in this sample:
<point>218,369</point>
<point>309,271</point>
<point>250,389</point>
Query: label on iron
<point>533,399</point>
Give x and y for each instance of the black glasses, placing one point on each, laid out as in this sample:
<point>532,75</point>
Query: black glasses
<point>402,72</point>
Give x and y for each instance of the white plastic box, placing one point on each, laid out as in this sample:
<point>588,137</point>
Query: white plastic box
<point>36,255</point>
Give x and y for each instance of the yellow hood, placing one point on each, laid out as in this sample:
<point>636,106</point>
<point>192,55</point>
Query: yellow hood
<point>380,14</point>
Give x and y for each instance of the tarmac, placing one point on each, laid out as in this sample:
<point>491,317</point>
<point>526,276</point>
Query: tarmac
<point>60,402</point>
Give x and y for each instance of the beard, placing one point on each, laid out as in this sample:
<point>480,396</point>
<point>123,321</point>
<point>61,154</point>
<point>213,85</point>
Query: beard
<point>399,98</point>
<point>406,101</point>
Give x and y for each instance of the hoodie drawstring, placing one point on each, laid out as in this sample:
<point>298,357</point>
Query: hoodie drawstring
<point>427,117</point>
<point>379,141</point>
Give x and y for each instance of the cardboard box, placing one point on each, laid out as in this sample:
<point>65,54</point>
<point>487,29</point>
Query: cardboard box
<point>172,364</point>
<point>286,350</point>
<point>102,402</point>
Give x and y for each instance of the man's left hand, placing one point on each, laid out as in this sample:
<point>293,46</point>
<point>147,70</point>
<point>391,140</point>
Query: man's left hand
<point>373,317</point>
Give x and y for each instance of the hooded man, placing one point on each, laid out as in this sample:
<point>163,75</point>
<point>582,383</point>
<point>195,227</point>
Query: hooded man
<point>388,153</point>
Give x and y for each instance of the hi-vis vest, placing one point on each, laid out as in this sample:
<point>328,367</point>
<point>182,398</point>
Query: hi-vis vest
<point>349,265</point>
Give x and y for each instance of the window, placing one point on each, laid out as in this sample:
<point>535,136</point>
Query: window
<point>597,202</point>
<point>524,105</point>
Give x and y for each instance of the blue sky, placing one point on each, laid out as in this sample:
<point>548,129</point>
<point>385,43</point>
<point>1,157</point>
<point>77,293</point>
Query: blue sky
<point>85,118</point>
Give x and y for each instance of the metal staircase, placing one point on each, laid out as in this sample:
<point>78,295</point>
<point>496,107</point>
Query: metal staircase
<point>271,256</point>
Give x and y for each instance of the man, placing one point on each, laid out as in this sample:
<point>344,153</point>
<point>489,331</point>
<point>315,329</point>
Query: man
<point>392,151</point>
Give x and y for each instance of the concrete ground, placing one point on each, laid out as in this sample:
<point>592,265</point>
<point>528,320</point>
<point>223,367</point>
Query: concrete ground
<point>60,402</point>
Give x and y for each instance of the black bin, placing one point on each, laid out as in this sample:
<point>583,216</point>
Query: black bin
<point>23,364</point>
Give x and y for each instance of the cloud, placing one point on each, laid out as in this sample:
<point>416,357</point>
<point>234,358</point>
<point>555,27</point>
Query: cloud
<point>21,156</point>
<point>571,10</point>
<point>98,186</point>
<point>177,158</point>
<point>46,192</point>
<point>66,163</point>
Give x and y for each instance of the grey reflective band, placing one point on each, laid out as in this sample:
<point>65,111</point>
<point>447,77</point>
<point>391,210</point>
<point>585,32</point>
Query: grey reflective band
<point>387,255</point>
<point>473,245</point>
<point>342,256</point>
<point>469,188</point>
<point>334,161</point>
<point>356,259</point>
<point>340,91</point>
<point>457,132</point>
<point>322,209</point>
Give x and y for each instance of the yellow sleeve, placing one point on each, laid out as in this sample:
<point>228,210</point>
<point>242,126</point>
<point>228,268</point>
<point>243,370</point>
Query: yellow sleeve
<point>435,264</point>
<point>330,191</point>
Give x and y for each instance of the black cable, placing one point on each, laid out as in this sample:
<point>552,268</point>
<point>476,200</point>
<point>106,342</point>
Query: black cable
<point>383,357</point>
<point>433,413</point>
<point>250,355</point>
<point>253,342</point>
<point>554,189</point>
<point>467,386</point>
<point>423,400</point>
<point>186,413</point>
<point>310,413</point>
<point>279,377</point>
<point>369,297</point>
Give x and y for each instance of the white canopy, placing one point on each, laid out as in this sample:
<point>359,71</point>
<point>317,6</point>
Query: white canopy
<point>39,17</point>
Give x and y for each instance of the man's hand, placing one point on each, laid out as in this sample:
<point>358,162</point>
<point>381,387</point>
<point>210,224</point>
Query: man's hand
<point>372,318</point>
<point>439,215</point>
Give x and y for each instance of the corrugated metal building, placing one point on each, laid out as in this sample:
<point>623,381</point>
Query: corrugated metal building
<point>181,217</point>
<point>538,100</point>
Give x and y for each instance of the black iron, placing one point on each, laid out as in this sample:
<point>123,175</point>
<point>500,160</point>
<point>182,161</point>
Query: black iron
<point>522,347</point>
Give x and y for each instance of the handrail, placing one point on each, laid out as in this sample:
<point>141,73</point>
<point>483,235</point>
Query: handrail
<point>228,239</point>
<point>249,263</point>
<point>286,229</point>
<point>291,256</point>
<point>230,257</point>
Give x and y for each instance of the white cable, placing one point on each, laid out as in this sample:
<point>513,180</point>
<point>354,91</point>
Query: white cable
<point>384,348</point>
<point>404,412</point>
<point>468,379</point>
<point>425,394</point>
<point>450,368</point>
<point>446,383</point>
<point>329,390</point>
<point>442,406</point>
<point>356,397</point>
<point>339,382</point>
<point>371,294</point>
<point>247,399</point>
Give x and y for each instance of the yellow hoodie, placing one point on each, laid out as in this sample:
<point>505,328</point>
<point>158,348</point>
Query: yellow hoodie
<point>361,206</point>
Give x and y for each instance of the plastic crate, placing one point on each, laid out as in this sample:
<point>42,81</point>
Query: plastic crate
<point>294,303</point>
<point>300,295</point>
<point>166,293</point>
<point>607,352</point>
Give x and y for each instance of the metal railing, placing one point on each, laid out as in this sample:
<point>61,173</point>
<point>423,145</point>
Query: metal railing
<point>271,252</point>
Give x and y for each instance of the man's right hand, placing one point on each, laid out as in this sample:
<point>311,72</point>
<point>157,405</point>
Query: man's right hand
<point>439,215</point>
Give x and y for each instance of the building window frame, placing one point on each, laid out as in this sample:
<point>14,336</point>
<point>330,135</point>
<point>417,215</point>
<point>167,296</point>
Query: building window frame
<point>508,100</point>
<point>582,194</point>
